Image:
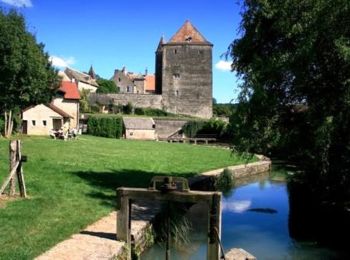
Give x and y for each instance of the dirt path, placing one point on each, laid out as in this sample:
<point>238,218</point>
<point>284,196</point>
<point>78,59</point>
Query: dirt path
<point>98,241</point>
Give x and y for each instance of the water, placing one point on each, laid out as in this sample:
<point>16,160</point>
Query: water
<point>255,218</point>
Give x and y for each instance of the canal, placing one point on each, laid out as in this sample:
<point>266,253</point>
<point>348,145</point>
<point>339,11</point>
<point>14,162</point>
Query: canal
<point>255,217</point>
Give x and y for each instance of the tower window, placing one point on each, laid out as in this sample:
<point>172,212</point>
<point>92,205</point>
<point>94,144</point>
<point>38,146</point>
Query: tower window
<point>175,51</point>
<point>188,39</point>
<point>177,93</point>
<point>176,75</point>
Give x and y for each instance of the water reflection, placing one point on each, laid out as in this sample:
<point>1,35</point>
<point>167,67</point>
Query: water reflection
<point>255,217</point>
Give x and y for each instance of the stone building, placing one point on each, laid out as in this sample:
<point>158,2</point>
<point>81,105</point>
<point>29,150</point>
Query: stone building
<point>183,80</point>
<point>184,73</point>
<point>138,128</point>
<point>133,83</point>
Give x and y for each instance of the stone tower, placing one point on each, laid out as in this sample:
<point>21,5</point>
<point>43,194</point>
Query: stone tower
<point>184,73</point>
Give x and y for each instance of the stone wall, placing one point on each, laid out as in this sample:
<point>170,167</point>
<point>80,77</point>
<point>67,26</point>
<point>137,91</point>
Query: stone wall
<point>137,100</point>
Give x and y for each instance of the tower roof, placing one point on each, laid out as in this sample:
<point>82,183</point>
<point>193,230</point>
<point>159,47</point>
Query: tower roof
<point>188,34</point>
<point>92,73</point>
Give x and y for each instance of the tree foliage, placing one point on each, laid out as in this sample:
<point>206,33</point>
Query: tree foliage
<point>106,86</point>
<point>26,75</point>
<point>294,61</point>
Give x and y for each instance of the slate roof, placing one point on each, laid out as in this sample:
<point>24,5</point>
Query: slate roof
<point>140,123</point>
<point>70,90</point>
<point>80,76</point>
<point>188,34</point>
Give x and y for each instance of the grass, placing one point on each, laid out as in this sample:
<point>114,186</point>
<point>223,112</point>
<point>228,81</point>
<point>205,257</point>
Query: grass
<point>72,184</point>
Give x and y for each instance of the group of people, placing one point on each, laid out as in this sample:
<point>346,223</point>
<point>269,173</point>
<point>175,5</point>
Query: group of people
<point>64,133</point>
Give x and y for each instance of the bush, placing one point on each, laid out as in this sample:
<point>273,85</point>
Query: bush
<point>127,109</point>
<point>111,127</point>
<point>213,127</point>
<point>191,128</point>
<point>225,182</point>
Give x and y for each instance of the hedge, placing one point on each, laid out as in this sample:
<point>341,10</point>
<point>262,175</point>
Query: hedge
<point>111,127</point>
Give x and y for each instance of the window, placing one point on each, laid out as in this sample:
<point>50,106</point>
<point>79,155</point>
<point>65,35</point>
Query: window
<point>176,75</point>
<point>175,51</point>
<point>188,39</point>
<point>119,79</point>
<point>44,123</point>
<point>177,93</point>
<point>129,89</point>
<point>33,122</point>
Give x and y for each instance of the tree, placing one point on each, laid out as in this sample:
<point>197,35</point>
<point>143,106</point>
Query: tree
<point>106,86</point>
<point>26,75</point>
<point>294,60</point>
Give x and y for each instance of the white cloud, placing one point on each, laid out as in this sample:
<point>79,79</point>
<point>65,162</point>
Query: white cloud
<point>237,206</point>
<point>61,62</point>
<point>223,65</point>
<point>18,3</point>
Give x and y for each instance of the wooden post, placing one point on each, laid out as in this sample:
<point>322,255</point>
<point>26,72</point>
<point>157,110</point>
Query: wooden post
<point>13,157</point>
<point>214,228</point>
<point>123,217</point>
<point>15,169</point>
<point>20,177</point>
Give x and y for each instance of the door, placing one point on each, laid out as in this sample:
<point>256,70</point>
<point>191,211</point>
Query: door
<point>25,127</point>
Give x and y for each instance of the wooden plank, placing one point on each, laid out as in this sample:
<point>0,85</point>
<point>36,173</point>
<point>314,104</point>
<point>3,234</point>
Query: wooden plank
<point>190,196</point>
<point>7,181</point>
<point>20,176</point>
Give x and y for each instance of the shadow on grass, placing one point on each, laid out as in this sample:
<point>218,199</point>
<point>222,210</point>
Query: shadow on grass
<point>107,182</point>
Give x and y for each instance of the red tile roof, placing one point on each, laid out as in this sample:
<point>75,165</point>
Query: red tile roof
<point>188,34</point>
<point>150,83</point>
<point>70,90</point>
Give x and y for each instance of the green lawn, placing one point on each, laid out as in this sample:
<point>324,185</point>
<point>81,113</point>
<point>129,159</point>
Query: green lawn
<point>72,184</point>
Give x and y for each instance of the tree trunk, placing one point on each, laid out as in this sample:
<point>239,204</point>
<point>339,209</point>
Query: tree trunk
<point>8,124</point>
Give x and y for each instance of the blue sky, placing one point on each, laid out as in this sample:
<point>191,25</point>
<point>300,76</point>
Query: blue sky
<point>110,34</point>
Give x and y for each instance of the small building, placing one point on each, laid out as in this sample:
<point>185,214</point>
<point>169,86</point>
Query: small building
<point>41,119</point>
<point>63,111</point>
<point>138,128</point>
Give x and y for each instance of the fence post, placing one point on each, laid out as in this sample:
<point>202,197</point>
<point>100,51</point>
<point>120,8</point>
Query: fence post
<point>12,155</point>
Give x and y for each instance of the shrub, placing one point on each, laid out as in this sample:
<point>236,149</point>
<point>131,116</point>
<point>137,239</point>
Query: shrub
<point>127,109</point>
<point>191,128</point>
<point>225,182</point>
<point>213,127</point>
<point>111,127</point>
<point>151,112</point>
